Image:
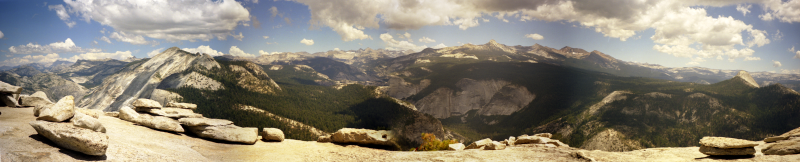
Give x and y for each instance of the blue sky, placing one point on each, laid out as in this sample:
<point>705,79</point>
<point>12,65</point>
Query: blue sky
<point>753,35</point>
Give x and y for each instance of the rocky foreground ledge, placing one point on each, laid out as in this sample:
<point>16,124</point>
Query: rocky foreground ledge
<point>130,142</point>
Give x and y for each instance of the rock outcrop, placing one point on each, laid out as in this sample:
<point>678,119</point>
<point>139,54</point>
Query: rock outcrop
<point>490,97</point>
<point>747,78</point>
<point>155,122</point>
<point>272,134</point>
<point>9,94</point>
<point>182,105</point>
<point>480,144</point>
<point>785,144</point>
<point>62,110</point>
<point>70,137</point>
<point>495,146</point>
<point>220,129</point>
<point>363,136</point>
<point>145,104</point>
<point>164,97</point>
<point>38,98</point>
<point>456,147</point>
<point>727,146</point>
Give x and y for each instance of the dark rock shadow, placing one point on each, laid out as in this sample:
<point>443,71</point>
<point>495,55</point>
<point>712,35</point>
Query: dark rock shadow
<point>70,153</point>
<point>726,157</point>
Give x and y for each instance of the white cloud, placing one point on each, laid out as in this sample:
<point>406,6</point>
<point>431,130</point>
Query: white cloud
<point>274,11</point>
<point>266,37</point>
<point>797,55</point>
<point>534,36</point>
<point>307,42</point>
<point>743,8</point>
<point>426,40</point>
<point>28,59</point>
<point>776,63</point>
<point>393,44</point>
<point>62,14</point>
<point>130,38</point>
<point>1,35</point>
<point>235,51</point>
<point>752,58</point>
<point>170,20</point>
<point>791,49</point>
<point>788,11</point>
<point>485,20</point>
<point>119,55</point>
<point>105,39</point>
<point>788,71</point>
<point>407,35</point>
<point>203,49</point>
<point>58,47</point>
<point>262,52</point>
<point>155,52</point>
<point>238,37</point>
<point>441,45</point>
<point>287,20</point>
<point>778,36</point>
<point>336,49</point>
<point>696,61</point>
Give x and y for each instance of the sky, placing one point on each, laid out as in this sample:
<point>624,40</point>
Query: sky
<point>752,35</point>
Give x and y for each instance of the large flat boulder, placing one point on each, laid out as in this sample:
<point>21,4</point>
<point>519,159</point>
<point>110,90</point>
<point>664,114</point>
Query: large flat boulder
<point>783,147</point>
<point>729,151</point>
<point>229,133</point>
<point>73,138</point>
<point>193,122</point>
<point>61,111</point>
<point>174,113</point>
<point>479,144</point>
<point>182,105</point>
<point>494,145</point>
<point>159,122</point>
<point>38,108</point>
<point>456,147</point>
<point>41,94</point>
<point>34,100</point>
<point>127,114</point>
<point>725,142</point>
<point>91,112</point>
<point>85,121</point>
<point>363,136</point>
<point>143,104</point>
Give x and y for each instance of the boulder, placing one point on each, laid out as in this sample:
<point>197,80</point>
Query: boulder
<point>494,145</point>
<point>159,122</point>
<point>182,105</point>
<point>783,147</point>
<point>776,138</point>
<point>545,135</point>
<point>70,137</point>
<point>220,129</point>
<point>479,144</point>
<point>112,114</point>
<point>38,109</point>
<point>194,122</point>
<point>324,139</point>
<point>41,94</point>
<point>9,100</point>
<point>33,101</point>
<point>174,113</point>
<point>729,151</point>
<point>85,121</point>
<point>725,142</point>
<point>9,94</point>
<point>9,89</point>
<point>231,133</point>
<point>511,140</point>
<point>363,136</point>
<point>127,114</point>
<point>456,147</point>
<point>557,143</point>
<point>531,140</point>
<point>145,104</point>
<point>272,134</point>
<point>62,110</point>
<point>93,113</point>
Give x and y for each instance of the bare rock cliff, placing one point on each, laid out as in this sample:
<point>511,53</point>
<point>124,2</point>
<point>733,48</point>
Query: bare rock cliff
<point>490,97</point>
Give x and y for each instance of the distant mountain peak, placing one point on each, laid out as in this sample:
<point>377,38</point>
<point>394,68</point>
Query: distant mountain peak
<point>747,78</point>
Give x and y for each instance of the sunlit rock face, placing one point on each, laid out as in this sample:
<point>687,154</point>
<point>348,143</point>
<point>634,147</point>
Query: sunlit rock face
<point>489,97</point>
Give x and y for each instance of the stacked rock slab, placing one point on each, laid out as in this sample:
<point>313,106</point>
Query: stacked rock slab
<point>173,110</point>
<point>182,105</point>
<point>220,129</point>
<point>155,122</point>
<point>541,138</point>
<point>785,144</point>
<point>36,99</point>
<point>83,133</point>
<point>722,146</point>
<point>363,137</point>
<point>480,144</point>
<point>9,94</point>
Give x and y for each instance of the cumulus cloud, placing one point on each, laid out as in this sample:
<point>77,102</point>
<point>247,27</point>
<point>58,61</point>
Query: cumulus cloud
<point>336,49</point>
<point>788,71</point>
<point>266,37</point>
<point>235,51</point>
<point>744,9</point>
<point>797,55</point>
<point>62,14</point>
<point>203,49</point>
<point>155,52</point>
<point>393,44</point>
<point>752,58</point>
<point>28,59</point>
<point>262,52</point>
<point>1,35</point>
<point>307,42</point>
<point>170,20</point>
<point>426,40</point>
<point>441,45</point>
<point>696,61</point>
<point>66,46</point>
<point>776,63</point>
<point>534,36</point>
<point>274,11</point>
<point>119,55</point>
<point>788,11</point>
<point>105,39</point>
<point>130,38</point>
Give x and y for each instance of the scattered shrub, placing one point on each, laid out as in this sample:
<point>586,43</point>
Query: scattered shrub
<point>432,144</point>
